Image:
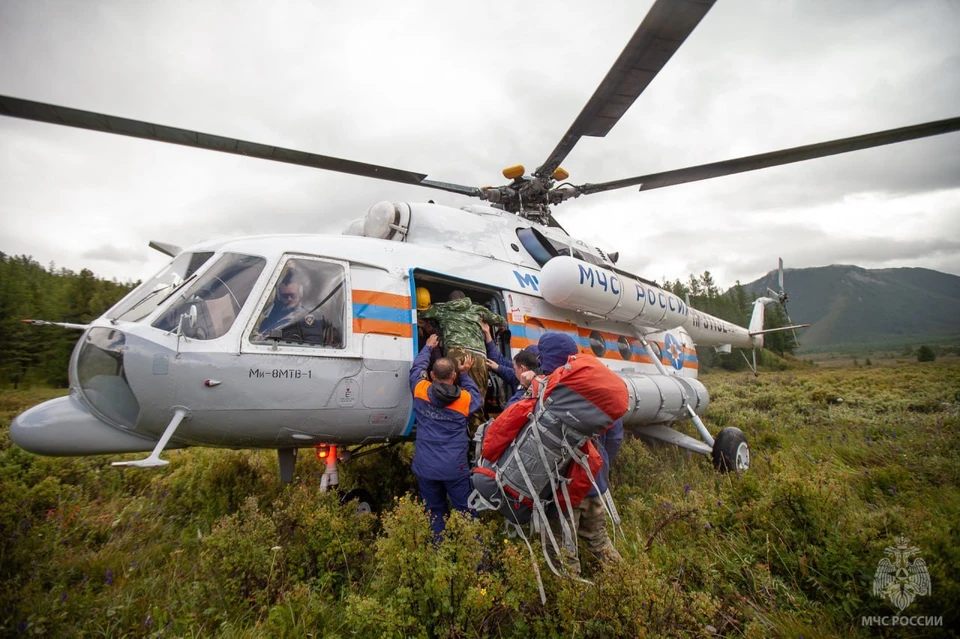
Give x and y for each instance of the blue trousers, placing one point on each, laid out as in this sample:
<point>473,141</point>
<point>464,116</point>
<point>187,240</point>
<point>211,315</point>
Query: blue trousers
<point>434,493</point>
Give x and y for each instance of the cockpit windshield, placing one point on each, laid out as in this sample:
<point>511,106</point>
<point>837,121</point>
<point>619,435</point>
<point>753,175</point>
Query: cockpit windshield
<point>149,295</point>
<point>212,302</point>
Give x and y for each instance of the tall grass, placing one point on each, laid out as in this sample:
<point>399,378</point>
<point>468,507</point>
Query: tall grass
<point>844,460</point>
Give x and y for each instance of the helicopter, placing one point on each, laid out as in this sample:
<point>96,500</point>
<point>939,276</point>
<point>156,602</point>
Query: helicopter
<point>188,358</point>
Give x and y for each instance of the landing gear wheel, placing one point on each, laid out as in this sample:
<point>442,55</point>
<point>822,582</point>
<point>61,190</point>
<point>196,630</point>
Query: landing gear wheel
<point>360,498</point>
<point>730,450</point>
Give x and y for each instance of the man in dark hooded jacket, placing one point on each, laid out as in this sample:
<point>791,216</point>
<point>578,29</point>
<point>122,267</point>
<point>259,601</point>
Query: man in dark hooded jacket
<point>441,406</point>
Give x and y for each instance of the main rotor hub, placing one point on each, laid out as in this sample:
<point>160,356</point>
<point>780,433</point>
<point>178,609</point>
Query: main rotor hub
<point>529,196</point>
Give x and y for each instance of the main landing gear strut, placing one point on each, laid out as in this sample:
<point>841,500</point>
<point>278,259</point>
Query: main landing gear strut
<point>730,451</point>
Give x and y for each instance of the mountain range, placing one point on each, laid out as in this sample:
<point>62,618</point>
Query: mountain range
<point>850,306</point>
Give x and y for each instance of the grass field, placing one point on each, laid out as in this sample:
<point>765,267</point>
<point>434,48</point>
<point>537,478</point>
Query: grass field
<point>844,461</point>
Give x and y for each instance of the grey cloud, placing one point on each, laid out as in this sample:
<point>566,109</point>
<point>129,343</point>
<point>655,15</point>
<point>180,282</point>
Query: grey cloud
<point>398,85</point>
<point>111,253</point>
<point>802,247</point>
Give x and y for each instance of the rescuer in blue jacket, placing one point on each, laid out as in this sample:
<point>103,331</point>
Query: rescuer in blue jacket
<point>511,370</point>
<point>442,402</point>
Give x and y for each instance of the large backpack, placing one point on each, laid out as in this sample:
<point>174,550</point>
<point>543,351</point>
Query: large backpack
<point>537,454</point>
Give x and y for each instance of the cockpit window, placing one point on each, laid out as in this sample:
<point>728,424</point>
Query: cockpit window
<point>537,245</point>
<point>306,307</point>
<point>564,249</point>
<point>212,302</point>
<point>542,248</point>
<point>144,299</point>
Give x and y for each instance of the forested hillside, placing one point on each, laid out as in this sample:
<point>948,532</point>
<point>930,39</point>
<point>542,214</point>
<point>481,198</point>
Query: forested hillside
<point>39,354</point>
<point>849,305</point>
<point>734,305</point>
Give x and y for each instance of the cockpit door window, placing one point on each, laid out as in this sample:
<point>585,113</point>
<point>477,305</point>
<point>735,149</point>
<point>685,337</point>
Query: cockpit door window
<point>305,306</point>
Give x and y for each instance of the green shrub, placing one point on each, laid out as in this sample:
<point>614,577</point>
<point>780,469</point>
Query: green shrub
<point>789,548</point>
<point>242,561</point>
<point>326,545</point>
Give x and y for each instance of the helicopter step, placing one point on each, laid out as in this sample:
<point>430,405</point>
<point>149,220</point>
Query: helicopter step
<point>153,459</point>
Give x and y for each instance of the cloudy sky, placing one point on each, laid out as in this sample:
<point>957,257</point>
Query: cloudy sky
<point>459,93</point>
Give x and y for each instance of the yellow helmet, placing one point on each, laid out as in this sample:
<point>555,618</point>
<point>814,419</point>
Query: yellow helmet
<point>423,298</point>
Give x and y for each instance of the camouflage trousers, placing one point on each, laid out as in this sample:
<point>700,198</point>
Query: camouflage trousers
<point>590,519</point>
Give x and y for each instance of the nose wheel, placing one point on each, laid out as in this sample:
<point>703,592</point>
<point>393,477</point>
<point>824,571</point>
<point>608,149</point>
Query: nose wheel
<point>731,451</point>
<point>360,498</point>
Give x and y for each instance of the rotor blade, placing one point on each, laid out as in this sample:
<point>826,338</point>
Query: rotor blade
<point>792,326</point>
<point>452,188</point>
<point>53,114</point>
<point>663,30</point>
<point>780,274</point>
<point>780,329</point>
<point>776,158</point>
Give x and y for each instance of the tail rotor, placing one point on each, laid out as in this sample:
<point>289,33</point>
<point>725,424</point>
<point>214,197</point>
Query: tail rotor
<point>782,297</point>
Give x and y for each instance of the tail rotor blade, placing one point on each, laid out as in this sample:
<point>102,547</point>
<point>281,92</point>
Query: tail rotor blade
<point>787,313</point>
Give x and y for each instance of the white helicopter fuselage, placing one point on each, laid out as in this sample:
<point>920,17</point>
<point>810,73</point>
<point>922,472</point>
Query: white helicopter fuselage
<point>237,388</point>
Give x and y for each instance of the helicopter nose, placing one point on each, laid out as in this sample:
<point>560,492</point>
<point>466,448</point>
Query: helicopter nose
<point>65,427</point>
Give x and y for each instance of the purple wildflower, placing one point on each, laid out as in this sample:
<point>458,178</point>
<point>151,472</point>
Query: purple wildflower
<point>109,577</point>
<point>686,489</point>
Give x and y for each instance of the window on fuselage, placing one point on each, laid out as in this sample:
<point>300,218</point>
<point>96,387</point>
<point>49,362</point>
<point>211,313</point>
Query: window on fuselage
<point>306,306</point>
<point>214,300</point>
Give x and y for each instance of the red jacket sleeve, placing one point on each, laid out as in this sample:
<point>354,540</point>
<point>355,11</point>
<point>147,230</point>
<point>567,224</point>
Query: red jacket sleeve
<point>580,483</point>
<point>504,429</point>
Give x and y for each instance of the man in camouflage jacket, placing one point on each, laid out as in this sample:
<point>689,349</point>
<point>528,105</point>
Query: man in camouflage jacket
<point>460,323</point>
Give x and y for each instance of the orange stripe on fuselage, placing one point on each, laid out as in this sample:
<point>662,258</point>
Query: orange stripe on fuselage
<point>581,332</point>
<point>381,299</point>
<point>520,342</point>
<point>361,325</point>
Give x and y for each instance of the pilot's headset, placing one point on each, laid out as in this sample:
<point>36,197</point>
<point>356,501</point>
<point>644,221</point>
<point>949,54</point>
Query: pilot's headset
<point>423,298</point>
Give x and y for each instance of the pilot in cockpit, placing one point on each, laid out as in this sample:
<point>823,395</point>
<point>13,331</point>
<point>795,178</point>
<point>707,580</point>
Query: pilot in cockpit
<point>287,319</point>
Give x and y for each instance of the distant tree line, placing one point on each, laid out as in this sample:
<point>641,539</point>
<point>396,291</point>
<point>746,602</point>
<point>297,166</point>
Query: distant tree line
<point>735,306</point>
<point>39,354</point>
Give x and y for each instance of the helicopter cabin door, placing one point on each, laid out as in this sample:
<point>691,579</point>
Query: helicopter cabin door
<point>431,288</point>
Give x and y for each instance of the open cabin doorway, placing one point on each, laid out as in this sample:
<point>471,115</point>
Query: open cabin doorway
<point>440,287</point>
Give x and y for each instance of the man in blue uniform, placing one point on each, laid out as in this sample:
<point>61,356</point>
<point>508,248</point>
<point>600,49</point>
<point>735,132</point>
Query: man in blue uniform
<point>511,371</point>
<point>442,402</point>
